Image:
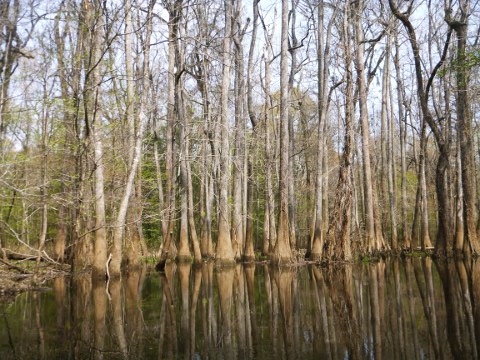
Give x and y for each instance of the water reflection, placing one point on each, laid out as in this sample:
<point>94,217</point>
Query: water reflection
<point>399,309</point>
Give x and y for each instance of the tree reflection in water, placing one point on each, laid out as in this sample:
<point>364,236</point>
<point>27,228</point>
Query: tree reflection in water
<point>404,309</point>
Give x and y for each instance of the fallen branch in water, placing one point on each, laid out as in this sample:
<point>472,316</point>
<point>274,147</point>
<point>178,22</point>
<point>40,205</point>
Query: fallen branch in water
<point>108,277</point>
<point>107,264</point>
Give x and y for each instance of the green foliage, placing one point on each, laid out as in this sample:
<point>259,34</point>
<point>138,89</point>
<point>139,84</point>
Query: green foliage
<point>416,254</point>
<point>419,253</point>
<point>260,257</point>
<point>152,226</point>
<point>471,60</point>
<point>150,260</point>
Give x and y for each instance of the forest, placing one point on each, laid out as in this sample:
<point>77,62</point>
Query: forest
<point>238,130</point>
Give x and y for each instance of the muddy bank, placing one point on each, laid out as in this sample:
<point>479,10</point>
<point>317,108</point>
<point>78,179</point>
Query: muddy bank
<point>17,276</point>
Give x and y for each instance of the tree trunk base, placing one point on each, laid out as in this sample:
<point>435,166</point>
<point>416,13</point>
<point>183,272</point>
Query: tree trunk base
<point>314,256</point>
<point>277,259</point>
<point>225,262</point>
<point>99,274</point>
<point>184,259</point>
<point>248,258</point>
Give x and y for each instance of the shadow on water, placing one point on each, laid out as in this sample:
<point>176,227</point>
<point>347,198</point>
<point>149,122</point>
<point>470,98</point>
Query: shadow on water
<point>397,309</point>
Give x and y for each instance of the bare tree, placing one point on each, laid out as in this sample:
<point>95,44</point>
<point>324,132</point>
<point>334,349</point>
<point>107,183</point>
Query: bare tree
<point>405,235</point>
<point>270,232</point>
<point>282,251</point>
<point>224,251</point>
<point>338,244</point>
<point>459,23</point>
<point>168,221</point>
<point>445,235</point>
<point>93,119</point>
<point>374,237</point>
<point>323,55</point>
<point>119,226</point>
<point>237,232</point>
<point>249,252</point>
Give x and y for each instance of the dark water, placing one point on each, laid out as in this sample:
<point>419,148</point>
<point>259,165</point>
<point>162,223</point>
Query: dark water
<point>410,309</point>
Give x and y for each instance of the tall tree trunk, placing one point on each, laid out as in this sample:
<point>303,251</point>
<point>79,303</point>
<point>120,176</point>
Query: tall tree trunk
<point>224,251</point>
<point>425,241</point>
<point>130,105</point>
<point>119,225</point>
<point>282,252</point>
<point>338,244</point>
<point>168,246</point>
<point>420,225</point>
<point>444,241</point>
<point>82,249</point>
<point>237,231</point>
<point>68,146</point>
<point>183,248</point>
<point>471,245</point>
<point>293,46</point>
<point>321,185</point>
<point>405,235</point>
<point>43,185</point>
<point>249,251</point>
<point>459,224</point>
<point>207,242</point>
<point>383,173</point>
<point>206,196</point>
<point>325,187</point>
<point>392,191</point>
<point>270,237</point>
<point>191,218</point>
<point>373,236</point>
<point>418,195</point>
<point>100,247</point>
<point>314,251</point>
<point>134,241</point>
<point>93,120</point>
<point>184,253</point>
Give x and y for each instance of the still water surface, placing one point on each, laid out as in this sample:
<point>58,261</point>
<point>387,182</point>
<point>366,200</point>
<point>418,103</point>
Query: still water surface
<point>409,309</point>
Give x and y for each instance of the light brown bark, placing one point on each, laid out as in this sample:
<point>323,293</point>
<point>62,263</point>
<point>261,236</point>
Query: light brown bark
<point>444,240</point>
<point>206,192</point>
<point>471,245</point>
<point>93,120</point>
<point>270,236</point>
<point>197,254</point>
<point>224,251</point>
<point>168,248</point>
<point>225,295</point>
<point>321,181</point>
<point>373,234</point>
<point>392,190</point>
<point>237,231</point>
<point>459,225</point>
<point>119,226</point>
<point>405,237</point>
<point>282,251</point>
<point>294,68</point>
<point>338,244</point>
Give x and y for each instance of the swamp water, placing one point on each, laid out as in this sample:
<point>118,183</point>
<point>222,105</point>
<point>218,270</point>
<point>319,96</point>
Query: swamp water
<point>398,309</point>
